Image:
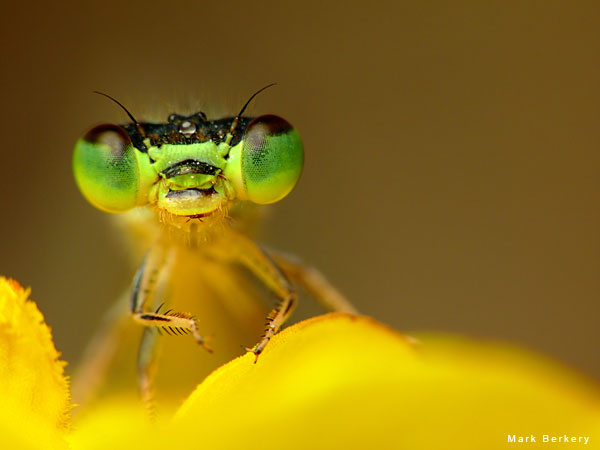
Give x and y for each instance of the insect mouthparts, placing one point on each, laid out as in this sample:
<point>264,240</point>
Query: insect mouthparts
<point>189,166</point>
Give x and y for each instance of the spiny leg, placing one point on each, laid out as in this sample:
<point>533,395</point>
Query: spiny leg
<point>173,323</point>
<point>275,320</point>
<point>155,266</point>
<point>152,273</point>
<point>313,282</point>
<point>236,247</point>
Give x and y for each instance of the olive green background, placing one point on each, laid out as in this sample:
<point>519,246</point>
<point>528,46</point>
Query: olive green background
<point>452,174</point>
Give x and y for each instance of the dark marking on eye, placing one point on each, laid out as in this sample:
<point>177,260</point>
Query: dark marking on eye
<point>268,125</point>
<point>114,136</point>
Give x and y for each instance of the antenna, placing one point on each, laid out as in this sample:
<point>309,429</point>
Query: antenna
<point>137,124</point>
<point>236,121</point>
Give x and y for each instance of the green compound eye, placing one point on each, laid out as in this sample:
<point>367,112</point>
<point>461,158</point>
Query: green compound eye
<point>272,158</point>
<point>108,169</point>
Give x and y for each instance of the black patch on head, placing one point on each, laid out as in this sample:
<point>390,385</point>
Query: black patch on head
<point>169,132</point>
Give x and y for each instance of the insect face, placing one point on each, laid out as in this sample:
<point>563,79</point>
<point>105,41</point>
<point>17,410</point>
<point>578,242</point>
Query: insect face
<point>188,166</point>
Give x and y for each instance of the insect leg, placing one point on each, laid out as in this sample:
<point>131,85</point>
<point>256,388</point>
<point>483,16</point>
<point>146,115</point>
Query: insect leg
<point>239,248</point>
<point>149,279</point>
<point>171,322</point>
<point>146,368</point>
<point>313,282</point>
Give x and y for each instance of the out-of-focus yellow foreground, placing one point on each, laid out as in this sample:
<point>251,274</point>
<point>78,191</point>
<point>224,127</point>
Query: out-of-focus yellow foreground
<point>335,381</point>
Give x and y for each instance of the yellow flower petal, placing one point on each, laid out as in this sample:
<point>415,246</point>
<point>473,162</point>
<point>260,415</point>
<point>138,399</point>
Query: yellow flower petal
<point>343,382</point>
<point>119,424</point>
<point>34,392</point>
<point>339,381</point>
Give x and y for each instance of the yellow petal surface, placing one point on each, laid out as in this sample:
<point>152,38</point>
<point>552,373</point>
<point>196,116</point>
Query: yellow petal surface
<point>34,393</point>
<point>344,382</point>
<point>339,381</point>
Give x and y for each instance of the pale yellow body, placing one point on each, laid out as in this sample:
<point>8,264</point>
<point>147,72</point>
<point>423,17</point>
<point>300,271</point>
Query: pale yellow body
<point>210,269</point>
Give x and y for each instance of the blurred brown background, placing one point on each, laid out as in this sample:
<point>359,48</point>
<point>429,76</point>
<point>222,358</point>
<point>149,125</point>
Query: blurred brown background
<point>452,177</point>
